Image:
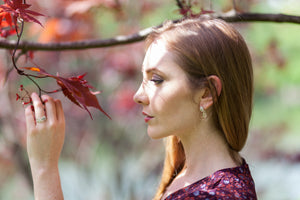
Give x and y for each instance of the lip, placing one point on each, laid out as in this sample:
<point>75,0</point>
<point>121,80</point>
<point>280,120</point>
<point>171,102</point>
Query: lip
<point>147,117</point>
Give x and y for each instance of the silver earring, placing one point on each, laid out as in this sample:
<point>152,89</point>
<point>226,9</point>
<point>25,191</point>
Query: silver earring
<point>202,110</point>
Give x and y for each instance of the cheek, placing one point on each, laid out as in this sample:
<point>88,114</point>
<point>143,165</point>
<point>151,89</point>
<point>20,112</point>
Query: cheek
<point>176,110</point>
<point>182,113</point>
<point>171,99</point>
<point>175,119</point>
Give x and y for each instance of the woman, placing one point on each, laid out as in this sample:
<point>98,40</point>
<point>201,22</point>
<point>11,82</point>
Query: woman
<point>196,92</point>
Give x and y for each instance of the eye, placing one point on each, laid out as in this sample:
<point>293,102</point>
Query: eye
<point>156,79</point>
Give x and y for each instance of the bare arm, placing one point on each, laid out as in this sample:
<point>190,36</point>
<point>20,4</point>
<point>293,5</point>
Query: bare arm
<point>45,140</point>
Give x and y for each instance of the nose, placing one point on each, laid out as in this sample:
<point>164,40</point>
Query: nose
<point>140,96</point>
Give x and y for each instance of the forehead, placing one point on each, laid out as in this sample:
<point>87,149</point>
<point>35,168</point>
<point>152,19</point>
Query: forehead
<point>156,54</point>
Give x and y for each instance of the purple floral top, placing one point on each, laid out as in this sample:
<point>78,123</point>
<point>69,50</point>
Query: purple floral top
<point>231,183</point>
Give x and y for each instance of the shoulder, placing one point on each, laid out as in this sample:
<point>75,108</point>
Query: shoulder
<point>231,183</point>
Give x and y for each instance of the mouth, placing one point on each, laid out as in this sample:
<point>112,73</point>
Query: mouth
<point>147,117</point>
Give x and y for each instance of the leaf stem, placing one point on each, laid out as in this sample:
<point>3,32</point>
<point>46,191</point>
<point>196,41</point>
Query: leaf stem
<point>21,72</point>
<point>14,60</point>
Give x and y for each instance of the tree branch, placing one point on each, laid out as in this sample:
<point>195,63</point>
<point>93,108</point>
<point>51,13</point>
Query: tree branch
<point>77,45</point>
<point>258,17</point>
<point>141,35</point>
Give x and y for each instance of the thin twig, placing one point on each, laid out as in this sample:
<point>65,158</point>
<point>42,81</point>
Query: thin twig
<point>179,4</point>
<point>14,61</point>
<point>16,47</point>
<point>21,72</point>
<point>12,68</point>
<point>234,5</point>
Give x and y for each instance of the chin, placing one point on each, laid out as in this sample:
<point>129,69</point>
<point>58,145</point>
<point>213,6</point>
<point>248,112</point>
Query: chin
<point>154,137</point>
<point>156,134</point>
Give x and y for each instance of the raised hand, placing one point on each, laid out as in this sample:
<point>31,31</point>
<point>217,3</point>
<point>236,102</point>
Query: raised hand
<point>45,138</point>
<point>45,130</point>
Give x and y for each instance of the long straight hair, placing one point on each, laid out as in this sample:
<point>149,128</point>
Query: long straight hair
<point>204,47</point>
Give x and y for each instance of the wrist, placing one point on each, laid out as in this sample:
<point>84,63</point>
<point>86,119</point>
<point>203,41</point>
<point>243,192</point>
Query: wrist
<point>46,182</point>
<point>39,170</point>
<point>43,164</point>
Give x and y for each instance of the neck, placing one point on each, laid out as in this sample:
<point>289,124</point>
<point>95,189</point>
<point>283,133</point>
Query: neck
<point>207,151</point>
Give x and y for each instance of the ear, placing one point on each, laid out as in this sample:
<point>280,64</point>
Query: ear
<point>207,98</point>
<point>216,83</point>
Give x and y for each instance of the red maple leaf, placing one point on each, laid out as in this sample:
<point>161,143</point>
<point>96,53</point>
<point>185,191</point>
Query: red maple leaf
<point>7,17</point>
<point>6,24</point>
<point>6,32</point>
<point>76,89</point>
<point>17,9</point>
<point>186,9</point>
<point>6,29</point>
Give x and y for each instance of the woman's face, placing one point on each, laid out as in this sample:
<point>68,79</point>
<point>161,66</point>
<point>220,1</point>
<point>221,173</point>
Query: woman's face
<point>168,103</point>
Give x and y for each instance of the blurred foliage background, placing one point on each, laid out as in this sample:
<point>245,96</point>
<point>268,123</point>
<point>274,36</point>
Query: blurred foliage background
<point>115,159</point>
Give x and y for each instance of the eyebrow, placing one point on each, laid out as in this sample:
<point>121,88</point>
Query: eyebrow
<point>152,69</point>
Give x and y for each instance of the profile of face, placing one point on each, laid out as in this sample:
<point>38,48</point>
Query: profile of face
<point>169,105</point>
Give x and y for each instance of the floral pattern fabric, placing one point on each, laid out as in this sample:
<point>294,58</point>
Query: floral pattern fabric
<point>231,183</point>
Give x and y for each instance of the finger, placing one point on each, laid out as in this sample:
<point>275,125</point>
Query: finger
<point>29,116</point>
<point>38,106</point>
<point>59,111</point>
<point>50,108</point>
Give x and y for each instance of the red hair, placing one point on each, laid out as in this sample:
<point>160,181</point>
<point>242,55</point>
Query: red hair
<point>203,48</point>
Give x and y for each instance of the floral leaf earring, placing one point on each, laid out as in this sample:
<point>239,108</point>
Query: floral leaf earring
<point>202,110</point>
